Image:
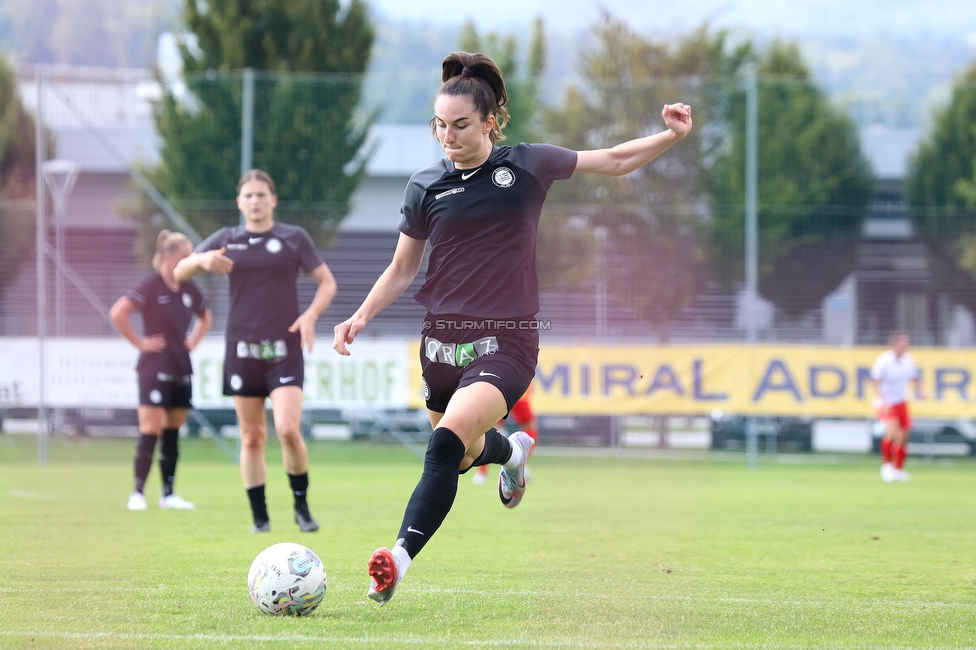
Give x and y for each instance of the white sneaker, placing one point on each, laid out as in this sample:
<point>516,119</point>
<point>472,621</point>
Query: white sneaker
<point>479,478</point>
<point>137,501</point>
<point>902,475</point>
<point>175,502</point>
<point>511,483</point>
<point>888,472</point>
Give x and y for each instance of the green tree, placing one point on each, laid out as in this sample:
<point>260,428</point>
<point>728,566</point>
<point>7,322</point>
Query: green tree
<point>17,175</point>
<point>815,186</point>
<point>524,105</point>
<point>651,220</point>
<point>941,183</point>
<point>309,56</point>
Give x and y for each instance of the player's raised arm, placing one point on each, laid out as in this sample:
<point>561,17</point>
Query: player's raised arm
<point>633,154</point>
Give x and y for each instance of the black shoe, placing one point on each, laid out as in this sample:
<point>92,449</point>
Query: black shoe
<point>306,522</point>
<point>261,527</point>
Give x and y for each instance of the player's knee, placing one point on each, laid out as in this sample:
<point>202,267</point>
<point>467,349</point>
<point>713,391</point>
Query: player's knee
<point>445,447</point>
<point>253,439</point>
<point>288,428</point>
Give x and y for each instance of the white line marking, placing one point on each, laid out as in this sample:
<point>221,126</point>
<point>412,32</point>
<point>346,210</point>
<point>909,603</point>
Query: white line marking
<point>303,640</point>
<point>874,602</point>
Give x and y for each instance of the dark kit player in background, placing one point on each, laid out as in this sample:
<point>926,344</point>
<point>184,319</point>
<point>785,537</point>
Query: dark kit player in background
<point>164,368</point>
<point>266,334</point>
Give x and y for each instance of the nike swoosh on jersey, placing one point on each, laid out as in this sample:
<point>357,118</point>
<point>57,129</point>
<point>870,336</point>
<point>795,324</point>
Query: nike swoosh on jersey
<point>285,380</point>
<point>255,240</point>
<point>483,374</point>
<point>465,177</point>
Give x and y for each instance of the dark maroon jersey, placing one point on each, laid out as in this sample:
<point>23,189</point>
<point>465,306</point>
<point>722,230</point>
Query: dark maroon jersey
<point>263,284</point>
<point>169,313</point>
<point>482,226</point>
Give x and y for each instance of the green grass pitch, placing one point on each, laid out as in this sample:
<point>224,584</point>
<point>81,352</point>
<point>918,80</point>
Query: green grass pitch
<point>602,553</point>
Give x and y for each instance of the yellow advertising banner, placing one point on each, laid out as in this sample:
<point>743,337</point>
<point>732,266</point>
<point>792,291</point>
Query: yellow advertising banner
<point>816,381</point>
<point>767,380</point>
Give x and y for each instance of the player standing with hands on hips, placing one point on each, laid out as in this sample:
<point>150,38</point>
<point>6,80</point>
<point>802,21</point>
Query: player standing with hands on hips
<point>892,372</point>
<point>164,368</point>
<point>479,209</point>
<point>266,335</point>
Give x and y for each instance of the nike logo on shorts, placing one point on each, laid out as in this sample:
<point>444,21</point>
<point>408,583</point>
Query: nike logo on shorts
<point>285,380</point>
<point>411,529</point>
<point>484,374</point>
<point>465,177</point>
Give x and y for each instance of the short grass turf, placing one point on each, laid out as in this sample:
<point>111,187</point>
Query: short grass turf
<point>806,552</point>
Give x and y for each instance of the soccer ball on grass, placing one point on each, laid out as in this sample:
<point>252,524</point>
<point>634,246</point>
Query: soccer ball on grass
<point>287,579</point>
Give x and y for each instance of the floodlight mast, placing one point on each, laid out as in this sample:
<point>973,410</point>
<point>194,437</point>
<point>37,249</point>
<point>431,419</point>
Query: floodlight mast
<point>40,243</point>
<point>59,177</point>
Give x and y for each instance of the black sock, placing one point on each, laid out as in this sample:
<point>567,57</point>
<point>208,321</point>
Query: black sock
<point>299,489</point>
<point>434,495</point>
<point>259,508</point>
<point>168,454</point>
<point>144,459</point>
<point>498,449</point>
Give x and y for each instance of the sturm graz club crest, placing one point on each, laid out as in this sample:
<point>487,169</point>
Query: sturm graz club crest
<point>273,245</point>
<point>503,177</point>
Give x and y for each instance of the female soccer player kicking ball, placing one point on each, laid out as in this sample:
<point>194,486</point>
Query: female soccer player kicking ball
<point>479,209</point>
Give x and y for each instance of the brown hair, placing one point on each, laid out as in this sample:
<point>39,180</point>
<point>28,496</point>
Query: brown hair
<point>168,242</point>
<point>476,76</point>
<point>256,175</point>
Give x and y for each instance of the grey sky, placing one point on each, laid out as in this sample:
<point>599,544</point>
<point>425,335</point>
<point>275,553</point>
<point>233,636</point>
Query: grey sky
<point>950,18</point>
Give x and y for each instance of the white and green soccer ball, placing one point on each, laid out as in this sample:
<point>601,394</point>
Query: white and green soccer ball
<point>287,579</point>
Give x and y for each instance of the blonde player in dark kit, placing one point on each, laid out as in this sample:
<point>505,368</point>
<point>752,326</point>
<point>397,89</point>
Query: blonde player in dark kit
<point>164,368</point>
<point>266,335</point>
<point>479,209</point>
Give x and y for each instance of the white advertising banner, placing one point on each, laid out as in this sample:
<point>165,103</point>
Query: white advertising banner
<point>101,373</point>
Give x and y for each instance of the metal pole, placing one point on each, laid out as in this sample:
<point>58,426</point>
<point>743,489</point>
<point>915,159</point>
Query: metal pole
<point>247,124</point>
<point>58,275</point>
<point>40,244</point>
<point>752,191</point>
<point>59,177</point>
<point>752,237</point>
<point>752,444</point>
<point>601,283</point>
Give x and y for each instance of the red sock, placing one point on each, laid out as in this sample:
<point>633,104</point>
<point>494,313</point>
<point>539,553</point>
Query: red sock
<point>899,453</point>
<point>886,450</point>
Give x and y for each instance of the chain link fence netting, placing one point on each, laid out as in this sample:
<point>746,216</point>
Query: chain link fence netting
<point>657,256</point>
